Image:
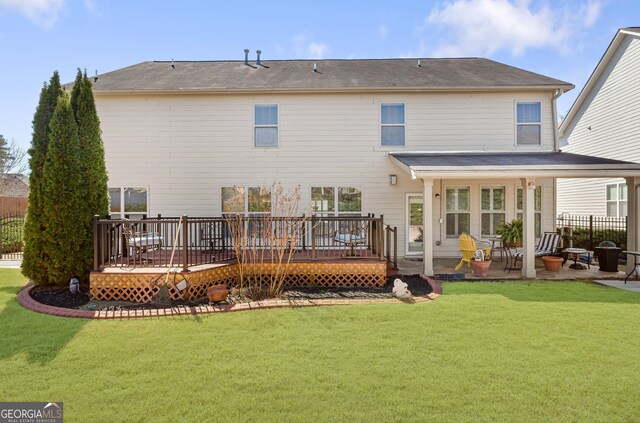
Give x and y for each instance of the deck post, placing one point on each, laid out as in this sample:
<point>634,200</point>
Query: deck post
<point>387,232</point>
<point>313,236</point>
<point>427,226</point>
<point>381,238</point>
<point>96,243</point>
<point>185,243</point>
<point>528,228</point>
<point>395,247</point>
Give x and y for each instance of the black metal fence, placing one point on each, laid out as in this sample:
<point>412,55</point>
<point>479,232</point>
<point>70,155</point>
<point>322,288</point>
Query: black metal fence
<point>587,231</point>
<point>12,236</point>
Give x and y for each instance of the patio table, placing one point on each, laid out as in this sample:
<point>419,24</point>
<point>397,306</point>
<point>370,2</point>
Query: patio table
<point>576,253</point>
<point>635,255</point>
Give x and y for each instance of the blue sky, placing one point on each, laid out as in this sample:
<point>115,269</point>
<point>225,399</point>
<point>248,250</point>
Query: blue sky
<point>562,39</point>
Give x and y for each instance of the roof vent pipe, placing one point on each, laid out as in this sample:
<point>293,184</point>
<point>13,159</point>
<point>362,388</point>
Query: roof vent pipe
<point>315,67</point>
<point>95,78</point>
<point>246,56</point>
<point>259,52</point>
<point>419,64</point>
<point>172,65</point>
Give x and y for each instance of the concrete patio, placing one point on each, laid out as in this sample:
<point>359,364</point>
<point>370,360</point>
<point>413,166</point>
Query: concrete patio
<point>446,266</point>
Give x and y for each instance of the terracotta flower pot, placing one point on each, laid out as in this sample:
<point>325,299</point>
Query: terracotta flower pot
<point>552,263</point>
<point>480,268</point>
<point>216,293</point>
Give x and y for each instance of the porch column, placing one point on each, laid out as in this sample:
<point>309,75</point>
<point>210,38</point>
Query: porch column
<point>528,226</point>
<point>633,237</point>
<point>427,226</point>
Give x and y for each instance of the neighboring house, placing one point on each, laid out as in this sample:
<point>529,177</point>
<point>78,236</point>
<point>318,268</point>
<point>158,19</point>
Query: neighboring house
<point>14,193</point>
<point>359,136</point>
<point>605,121</point>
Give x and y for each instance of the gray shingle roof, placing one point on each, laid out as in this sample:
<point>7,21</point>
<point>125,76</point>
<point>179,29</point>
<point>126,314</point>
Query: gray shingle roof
<point>497,160</point>
<point>285,75</point>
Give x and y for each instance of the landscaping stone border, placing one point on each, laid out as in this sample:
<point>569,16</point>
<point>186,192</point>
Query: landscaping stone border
<point>25,300</point>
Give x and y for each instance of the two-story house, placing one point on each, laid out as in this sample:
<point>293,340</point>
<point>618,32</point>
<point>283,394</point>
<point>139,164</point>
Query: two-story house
<point>438,146</point>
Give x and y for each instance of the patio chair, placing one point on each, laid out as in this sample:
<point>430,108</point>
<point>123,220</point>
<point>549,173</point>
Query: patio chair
<point>548,244</point>
<point>353,238</point>
<point>468,247</point>
<point>140,242</point>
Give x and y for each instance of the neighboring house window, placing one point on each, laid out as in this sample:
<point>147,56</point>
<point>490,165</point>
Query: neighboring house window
<point>392,125</point>
<point>266,125</point>
<point>537,208</point>
<point>528,123</point>
<point>492,208</point>
<point>617,200</point>
<point>132,203</point>
<point>457,211</point>
<point>246,200</point>
<point>336,200</point>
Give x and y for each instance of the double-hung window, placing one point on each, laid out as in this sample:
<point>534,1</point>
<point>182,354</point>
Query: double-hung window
<point>457,211</point>
<point>330,201</point>
<point>132,203</point>
<point>537,208</point>
<point>617,200</point>
<point>492,209</point>
<point>246,200</point>
<point>529,123</point>
<point>265,121</point>
<point>392,125</point>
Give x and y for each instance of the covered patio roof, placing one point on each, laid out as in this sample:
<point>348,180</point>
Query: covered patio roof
<point>458,165</point>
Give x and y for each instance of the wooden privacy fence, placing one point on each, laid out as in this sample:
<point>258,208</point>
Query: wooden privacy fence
<point>152,242</point>
<point>13,206</point>
<point>587,231</point>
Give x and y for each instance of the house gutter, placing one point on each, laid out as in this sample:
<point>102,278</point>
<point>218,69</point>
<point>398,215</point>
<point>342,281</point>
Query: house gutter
<point>554,117</point>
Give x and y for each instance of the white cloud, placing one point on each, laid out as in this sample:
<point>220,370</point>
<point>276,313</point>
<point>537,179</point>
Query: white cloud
<point>383,31</point>
<point>42,12</point>
<point>483,27</point>
<point>310,49</point>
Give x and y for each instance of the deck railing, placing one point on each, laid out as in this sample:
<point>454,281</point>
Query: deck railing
<point>186,241</point>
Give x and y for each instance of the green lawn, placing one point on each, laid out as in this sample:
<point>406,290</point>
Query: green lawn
<point>545,351</point>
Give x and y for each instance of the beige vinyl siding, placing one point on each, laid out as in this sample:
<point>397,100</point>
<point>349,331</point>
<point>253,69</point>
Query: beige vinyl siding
<point>611,110</point>
<point>186,147</point>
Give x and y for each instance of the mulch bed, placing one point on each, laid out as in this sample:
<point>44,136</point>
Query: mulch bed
<point>61,297</point>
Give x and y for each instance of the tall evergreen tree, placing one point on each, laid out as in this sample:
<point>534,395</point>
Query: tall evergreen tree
<point>34,263</point>
<point>62,188</point>
<point>92,166</point>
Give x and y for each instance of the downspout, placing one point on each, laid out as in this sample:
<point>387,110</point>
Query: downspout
<point>554,117</point>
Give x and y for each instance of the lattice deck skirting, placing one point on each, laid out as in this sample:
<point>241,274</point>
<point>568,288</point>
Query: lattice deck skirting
<point>141,287</point>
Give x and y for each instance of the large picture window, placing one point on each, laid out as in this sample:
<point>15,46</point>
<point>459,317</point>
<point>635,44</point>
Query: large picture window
<point>529,123</point>
<point>128,202</point>
<point>492,208</point>
<point>616,200</point>
<point>266,125</point>
<point>247,200</point>
<point>537,208</point>
<point>336,200</point>
<point>392,124</point>
<point>458,214</point>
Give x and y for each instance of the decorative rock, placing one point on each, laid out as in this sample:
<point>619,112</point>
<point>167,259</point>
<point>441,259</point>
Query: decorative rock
<point>400,289</point>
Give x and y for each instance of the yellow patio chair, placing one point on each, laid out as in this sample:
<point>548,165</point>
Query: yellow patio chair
<point>468,248</point>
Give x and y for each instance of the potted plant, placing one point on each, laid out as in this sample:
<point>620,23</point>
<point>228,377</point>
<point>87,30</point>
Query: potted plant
<point>608,256</point>
<point>552,263</point>
<point>510,233</point>
<point>480,264</point>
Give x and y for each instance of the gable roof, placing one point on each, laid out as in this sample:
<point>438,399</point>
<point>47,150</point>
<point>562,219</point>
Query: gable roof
<point>595,75</point>
<point>13,185</point>
<point>331,75</point>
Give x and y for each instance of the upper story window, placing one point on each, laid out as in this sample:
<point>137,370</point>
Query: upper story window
<point>529,123</point>
<point>129,202</point>
<point>265,121</point>
<point>617,200</point>
<point>392,124</point>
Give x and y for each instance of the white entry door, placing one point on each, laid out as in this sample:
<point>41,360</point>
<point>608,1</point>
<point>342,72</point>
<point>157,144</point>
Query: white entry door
<point>414,237</point>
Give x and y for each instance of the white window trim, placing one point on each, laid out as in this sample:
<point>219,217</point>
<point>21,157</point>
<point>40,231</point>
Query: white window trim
<point>254,126</point>
<point>380,124</point>
<point>492,210</point>
<point>518,186</point>
<point>444,202</point>
<point>246,211</point>
<point>122,213</point>
<point>515,126</point>
<point>618,200</point>
<point>336,188</point>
